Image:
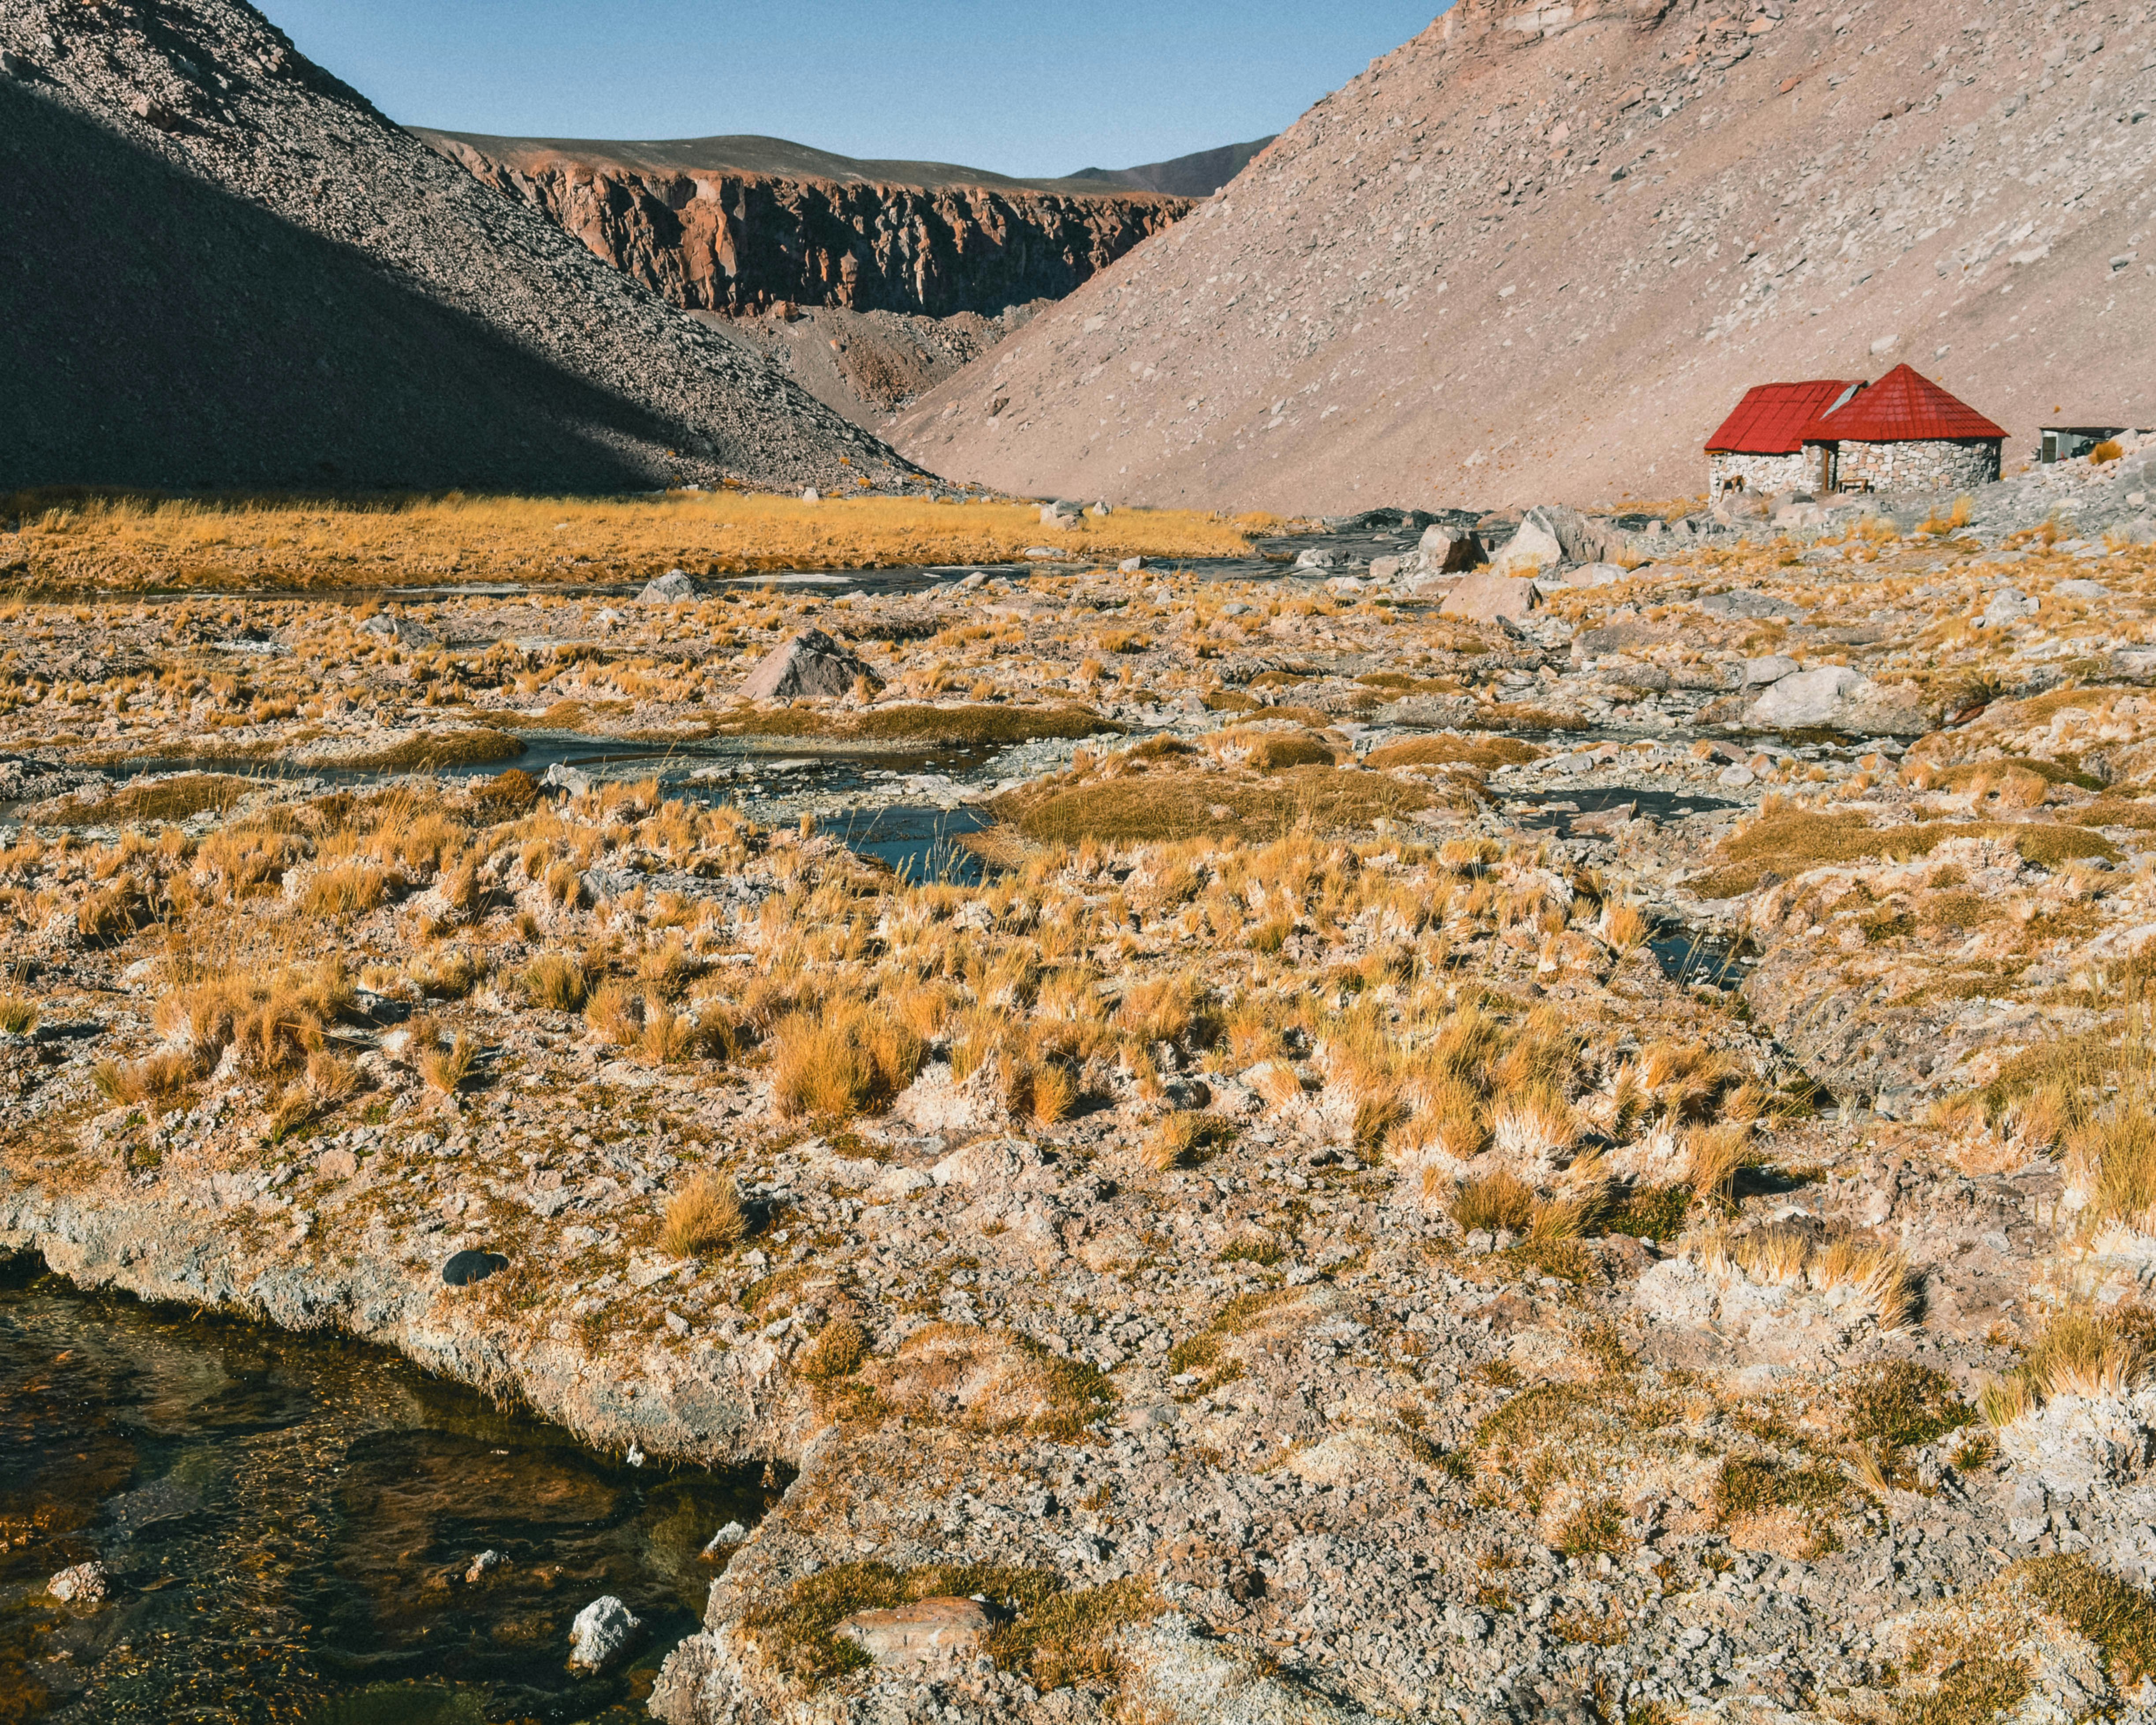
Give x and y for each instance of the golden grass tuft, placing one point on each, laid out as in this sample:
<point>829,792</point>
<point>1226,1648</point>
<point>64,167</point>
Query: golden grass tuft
<point>704,1215</point>
<point>19,1015</point>
<point>1488,1202</point>
<point>850,1058</point>
<point>1481,752</point>
<point>447,1070</point>
<point>129,542</point>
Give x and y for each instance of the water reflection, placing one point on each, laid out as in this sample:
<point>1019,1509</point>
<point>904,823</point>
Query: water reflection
<point>293,1527</point>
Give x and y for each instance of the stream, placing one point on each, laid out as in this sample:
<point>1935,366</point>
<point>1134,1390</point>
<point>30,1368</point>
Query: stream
<point>290,1525</point>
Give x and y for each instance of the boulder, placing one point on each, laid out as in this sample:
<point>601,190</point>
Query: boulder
<point>2080,590</point>
<point>1771,670</point>
<point>2007,606</point>
<point>1488,595</point>
<point>1597,575</point>
<point>1447,550</point>
<point>1742,602</point>
<point>1059,514</point>
<point>812,495</point>
<point>942,1628</point>
<point>1835,695</point>
<point>1130,566</point>
<point>602,1633</point>
<point>811,664</point>
<point>1318,557</point>
<point>1534,547</point>
<point>673,586</point>
<point>80,1584</point>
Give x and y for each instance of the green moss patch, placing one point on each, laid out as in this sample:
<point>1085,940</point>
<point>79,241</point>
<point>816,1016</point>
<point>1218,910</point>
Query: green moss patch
<point>923,726</point>
<point>177,798</point>
<point>1053,1632</point>
<point>1901,1403</point>
<point>433,753</point>
<point>1161,807</point>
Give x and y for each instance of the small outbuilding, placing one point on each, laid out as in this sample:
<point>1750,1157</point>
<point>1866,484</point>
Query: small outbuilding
<point>1902,434</point>
<point>1760,448</point>
<point>2066,442</point>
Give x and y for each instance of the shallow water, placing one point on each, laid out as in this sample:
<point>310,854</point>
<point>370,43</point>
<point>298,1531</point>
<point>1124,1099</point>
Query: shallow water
<point>290,1520</point>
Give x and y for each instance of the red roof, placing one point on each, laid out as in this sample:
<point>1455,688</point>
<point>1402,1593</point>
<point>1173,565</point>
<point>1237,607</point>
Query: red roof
<point>1772,417</point>
<point>1900,407</point>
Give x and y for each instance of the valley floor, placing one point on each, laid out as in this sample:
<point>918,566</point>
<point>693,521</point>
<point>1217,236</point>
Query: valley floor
<point>1590,1165</point>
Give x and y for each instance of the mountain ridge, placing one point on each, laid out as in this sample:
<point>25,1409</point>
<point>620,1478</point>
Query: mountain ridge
<point>1538,251</point>
<point>298,295</point>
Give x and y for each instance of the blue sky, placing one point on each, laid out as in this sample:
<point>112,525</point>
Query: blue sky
<point>1019,86</point>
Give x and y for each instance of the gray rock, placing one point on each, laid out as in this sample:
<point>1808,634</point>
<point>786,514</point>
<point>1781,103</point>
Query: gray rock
<point>1130,566</point>
<point>812,495</point>
<point>602,1633</point>
<point>811,664</point>
<point>1447,550</point>
<point>2080,590</point>
<point>733,1533</point>
<point>1535,546</point>
<point>1318,557</point>
<point>1836,696</point>
<point>1772,669</point>
<point>1743,602</point>
<point>1059,514</point>
<point>1486,595</point>
<point>560,777</point>
<point>390,626</point>
<point>673,586</point>
<point>2007,605</point>
<point>1599,575</point>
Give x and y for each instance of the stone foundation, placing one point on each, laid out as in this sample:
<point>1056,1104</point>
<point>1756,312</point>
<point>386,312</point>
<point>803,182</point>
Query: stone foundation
<point>1761,475</point>
<point>1923,465</point>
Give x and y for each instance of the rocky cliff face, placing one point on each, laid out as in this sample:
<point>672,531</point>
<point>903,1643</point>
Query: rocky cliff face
<point>223,269</point>
<point>1541,250</point>
<point>717,238</point>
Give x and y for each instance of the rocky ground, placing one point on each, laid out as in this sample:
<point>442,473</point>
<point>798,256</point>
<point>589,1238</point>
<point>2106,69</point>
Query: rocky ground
<point>1563,1143</point>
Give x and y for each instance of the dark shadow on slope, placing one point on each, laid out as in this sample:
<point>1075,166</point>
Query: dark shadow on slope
<point>159,332</point>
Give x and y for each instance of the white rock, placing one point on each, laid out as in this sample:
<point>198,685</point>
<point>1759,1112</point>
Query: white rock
<point>602,1633</point>
<point>1318,557</point>
<point>733,1533</point>
<point>1770,670</point>
<point>1812,697</point>
<point>812,495</point>
<point>674,585</point>
<point>2080,589</point>
<point>2008,605</point>
<point>80,1585</point>
<point>1535,546</point>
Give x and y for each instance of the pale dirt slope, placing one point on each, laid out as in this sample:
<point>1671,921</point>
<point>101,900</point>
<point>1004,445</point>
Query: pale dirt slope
<point>1538,253</point>
<point>222,269</point>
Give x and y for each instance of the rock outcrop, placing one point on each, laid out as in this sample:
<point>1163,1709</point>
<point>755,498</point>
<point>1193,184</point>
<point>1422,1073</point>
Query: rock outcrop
<point>227,270</point>
<point>1540,251</point>
<point>739,224</point>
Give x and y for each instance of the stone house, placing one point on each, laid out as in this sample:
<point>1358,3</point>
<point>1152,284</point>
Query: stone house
<point>1902,434</point>
<point>1760,448</point>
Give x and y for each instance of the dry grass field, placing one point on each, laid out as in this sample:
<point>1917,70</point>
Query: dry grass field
<point>114,544</point>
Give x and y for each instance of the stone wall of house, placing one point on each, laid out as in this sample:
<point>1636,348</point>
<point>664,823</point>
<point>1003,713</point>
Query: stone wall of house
<point>1925,464</point>
<point>1763,475</point>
